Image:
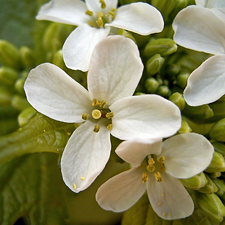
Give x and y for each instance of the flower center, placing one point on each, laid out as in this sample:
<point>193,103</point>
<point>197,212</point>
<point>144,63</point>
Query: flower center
<point>100,112</point>
<point>99,20</point>
<point>155,166</point>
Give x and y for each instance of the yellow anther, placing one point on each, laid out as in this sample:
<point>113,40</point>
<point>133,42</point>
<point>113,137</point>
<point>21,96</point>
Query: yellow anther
<point>99,22</point>
<point>68,133</point>
<point>89,12</point>
<point>161,159</point>
<point>103,103</point>
<point>159,203</point>
<point>169,214</point>
<point>90,23</point>
<point>151,161</point>
<point>96,114</point>
<point>157,176</point>
<point>151,168</point>
<point>162,195</point>
<point>103,4</point>
<point>144,177</point>
<point>95,102</point>
<point>112,14</point>
<point>100,14</point>
<point>96,128</point>
<point>164,214</point>
<point>85,116</point>
<point>109,127</point>
<point>75,186</point>
<point>82,178</point>
<point>162,167</point>
<point>109,115</point>
<point>113,9</point>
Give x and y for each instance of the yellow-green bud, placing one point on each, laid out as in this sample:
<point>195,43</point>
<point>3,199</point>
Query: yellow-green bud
<point>10,55</point>
<point>163,46</point>
<point>214,175</point>
<point>211,205</point>
<point>27,56</point>
<point>196,182</point>
<point>19,85</point>
<point>218,108</point>
<point>126,34</point>
<point>151,85</point>
<point>58,60</point>
<point>180,4</point>
<point>5,97</point>
<point>154,64</point>
<point>172,69</point>
<point>182,79</point>
<point>219,147</point>
<point>163,91</point>
<point>217,164</point>
<point>178,100</point>
<point>19,103</point>
<point>8,76</point>
<point>209,188</point>
<point>185,128</point>
<point>221,186</point>
<point>26,115</point>
<point>217,132</point>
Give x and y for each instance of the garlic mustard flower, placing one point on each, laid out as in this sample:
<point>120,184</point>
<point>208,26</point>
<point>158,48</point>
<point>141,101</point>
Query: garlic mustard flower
<point>106,107</point>
<point>94,19</point>
<point>156,167</point>
<point>200,29</point>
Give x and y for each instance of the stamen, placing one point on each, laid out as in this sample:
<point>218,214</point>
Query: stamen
<point>113,9</point>
<point>109,115</point>
<point>95,102</point>
<point>82,178</point>
<point>109,127</point>
<point>144,177</point>
<point>162,167</point>
<point>100,14</point>
<point>91,24</point>
<point>159,203</point>
<point>112,14</point>
<point>75,186</point>
<point>151,161</point>
<point>103,103</point>
<point>151,168</point>
<point>161,159</point>
<point>96,114</point>
<point>96,128</point>
<point>99,22</point>
<point>164,214</point>
<point>157,176</point>
<point>103,4</point>
<point>85,116</point>
<point>89,12</point>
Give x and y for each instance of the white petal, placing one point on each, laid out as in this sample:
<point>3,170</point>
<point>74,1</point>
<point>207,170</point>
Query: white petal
<point>169,198</point>
<point>145,116</point>
<point>206,84</point>
<point>78,47</point>
<point>64,11</point>
<point>215,4</point>
<point>140,18</point>
<point>187,154</point>
<point>115,69</point>
<point>201,2</point>
<point>199,29</point>
<point>134,151</point>
<point>219,12</point>
<point>85,156</point>
<point>55,94</point>
<point>95,5</point>
<point>122,191</point>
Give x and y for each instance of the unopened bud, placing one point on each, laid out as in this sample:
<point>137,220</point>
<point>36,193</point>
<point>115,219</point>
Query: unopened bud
<point>154,64</point>
<point>163,91</point>
<point>219,147</point>
<point>217,132</point>
<point>172,69</point>
<point>58,60</point>
<point>196,182</point>
<point>209,188</point>
<point>221,186</point>
<point>8,76</point>
<point>163,46</point>
<point>26,115</point>
<point>19,85</point>
<point>151,85</point>
<point>211,205</point>
<point>5,97</point>
<point>182,79</point>
<point>178,100</point>
<point>217,164</point>
<point>126,34</point>
<point>10,55</point>
<point>27,56</point>
<point>185,128</point>
<point>19,103</point>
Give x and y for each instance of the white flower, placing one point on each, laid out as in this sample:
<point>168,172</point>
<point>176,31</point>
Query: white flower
<point>94,20</point>
<point>200,29</point>
<point>107,107</point>
<point>157,166</point>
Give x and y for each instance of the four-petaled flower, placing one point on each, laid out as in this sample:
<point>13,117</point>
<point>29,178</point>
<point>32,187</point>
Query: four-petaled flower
<point>157,166</point>
<point>107,107</point>
<point>94,20</point>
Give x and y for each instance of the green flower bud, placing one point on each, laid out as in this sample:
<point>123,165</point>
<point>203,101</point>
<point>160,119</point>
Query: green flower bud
<point>185,128</point>
<point>211,205</point>
<point>221,186</point>
<point>172,69</point>
<point>163,91</point>
<point>139,93</point>
<point>154,64</point>
<point>5,97</point>
<point>182,79</point>
<point>163,46</point>
<point>126,34</point>
<point>26,115</point>
<point>28,57</point>
<point>19,103</point>
<point>196,182</point>
<point>219,147</point>
<point>214,175</point>
<point>180,4</point>
<point>10,55</point>
<point>58,60</point>
<point>217,132</point>
<point>8,76</point>
<point>198,112</point>
<point>178,100</point>
<point>19,85</point>
<point>209,188</point>
<point>217,164</point>
<point>151,85</point>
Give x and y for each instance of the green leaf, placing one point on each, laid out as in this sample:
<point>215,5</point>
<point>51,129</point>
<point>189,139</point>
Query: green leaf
<point>41,134</point>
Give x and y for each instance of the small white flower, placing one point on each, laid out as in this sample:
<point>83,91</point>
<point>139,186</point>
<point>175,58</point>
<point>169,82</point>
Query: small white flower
<point>94,19</point>
<point>107,107</point>
<point>156,167</point>
<point>200,29</point>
